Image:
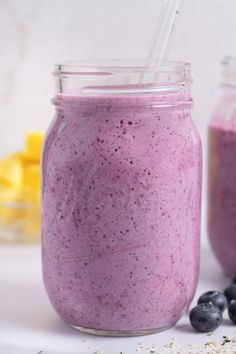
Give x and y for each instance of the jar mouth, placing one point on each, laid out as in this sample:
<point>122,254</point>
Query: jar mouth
<point>110,66</point>
<point>122,76</point>
<point>229,71</point>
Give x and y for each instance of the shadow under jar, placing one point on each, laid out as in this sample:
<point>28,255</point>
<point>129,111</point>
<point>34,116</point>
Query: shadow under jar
<point>121,194</point>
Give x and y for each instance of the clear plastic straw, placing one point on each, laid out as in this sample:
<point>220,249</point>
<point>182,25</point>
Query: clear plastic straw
<point>168,13</point>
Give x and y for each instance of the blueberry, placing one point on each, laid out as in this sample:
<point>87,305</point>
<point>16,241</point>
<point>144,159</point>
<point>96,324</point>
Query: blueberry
<point>232,311</point>
<point>215,297</point>
<point>206,317</point>
<point>234,280</point>
<point>230,293</point>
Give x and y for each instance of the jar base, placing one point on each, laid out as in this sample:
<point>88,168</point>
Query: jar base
<point>98,332</point>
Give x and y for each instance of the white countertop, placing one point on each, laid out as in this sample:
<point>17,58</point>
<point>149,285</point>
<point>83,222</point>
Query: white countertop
<point>28,323</point>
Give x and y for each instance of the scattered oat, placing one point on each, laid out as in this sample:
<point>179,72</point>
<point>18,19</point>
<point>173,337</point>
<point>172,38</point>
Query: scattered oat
<point>211,344</point>
<point>210,333</point>
<point>169,345</point>
<point>226,339</point>
<point>223,345</point>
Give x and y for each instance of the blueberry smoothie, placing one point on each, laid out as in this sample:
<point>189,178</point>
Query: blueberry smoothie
<point>121,211</point>
<point>222,188</point>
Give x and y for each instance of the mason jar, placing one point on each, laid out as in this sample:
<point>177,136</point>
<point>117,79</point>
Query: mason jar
<point>121,192</point>
<point>222,172</point>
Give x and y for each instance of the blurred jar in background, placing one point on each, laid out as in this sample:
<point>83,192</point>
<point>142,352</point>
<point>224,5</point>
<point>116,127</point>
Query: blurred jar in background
<point>222,172</point>
<point>20,191</point>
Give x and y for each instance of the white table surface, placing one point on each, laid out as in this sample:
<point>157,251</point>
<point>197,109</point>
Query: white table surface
<point>29,324</point>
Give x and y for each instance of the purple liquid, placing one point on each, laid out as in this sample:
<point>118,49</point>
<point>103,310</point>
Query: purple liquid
<point>222,194</point>
<point>121,212</point>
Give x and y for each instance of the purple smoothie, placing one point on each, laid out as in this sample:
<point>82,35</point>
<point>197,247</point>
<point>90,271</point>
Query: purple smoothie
<point>222,184</point>
<point>121,211</point>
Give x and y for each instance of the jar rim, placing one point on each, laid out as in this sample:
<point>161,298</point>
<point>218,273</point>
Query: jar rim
<point>229,71</point>
<point>116,65</point>
<point>229,60</point>
<point>122,76</point>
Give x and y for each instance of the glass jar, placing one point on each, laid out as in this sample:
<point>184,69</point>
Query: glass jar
<point>222,172</point>
<point>121,193</point>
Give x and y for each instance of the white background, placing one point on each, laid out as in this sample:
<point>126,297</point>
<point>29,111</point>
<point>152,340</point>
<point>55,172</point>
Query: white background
<point>36,33</point>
